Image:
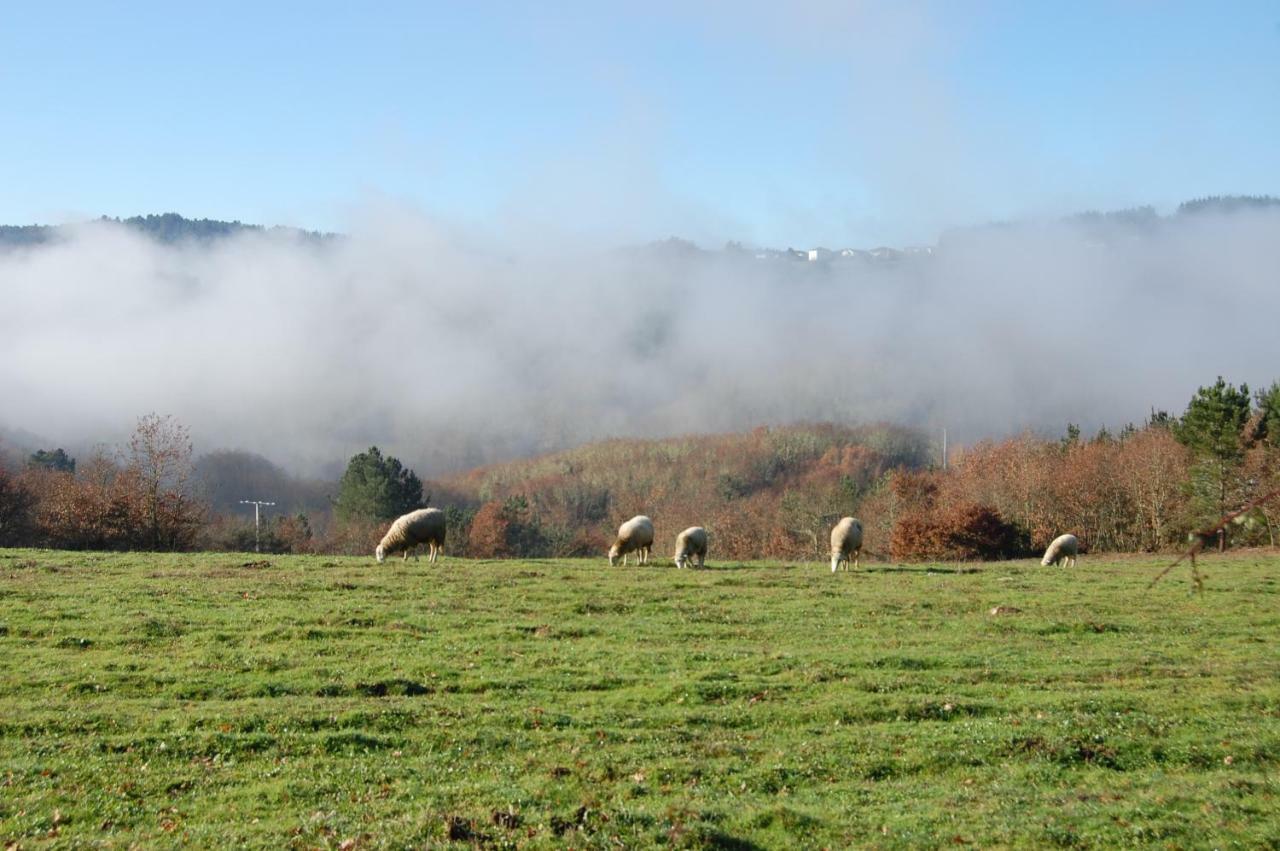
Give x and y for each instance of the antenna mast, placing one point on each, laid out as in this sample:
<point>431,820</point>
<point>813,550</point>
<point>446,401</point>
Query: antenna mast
<point>257,535</point>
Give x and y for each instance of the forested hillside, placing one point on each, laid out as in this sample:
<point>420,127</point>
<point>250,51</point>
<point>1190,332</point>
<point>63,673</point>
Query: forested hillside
<point>172,228</point>
<point>771,490</point>
<point>775,492</point>
<point>166,227</point>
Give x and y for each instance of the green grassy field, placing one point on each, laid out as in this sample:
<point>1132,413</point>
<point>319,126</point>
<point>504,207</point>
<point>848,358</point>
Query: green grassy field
<point>331,702</point>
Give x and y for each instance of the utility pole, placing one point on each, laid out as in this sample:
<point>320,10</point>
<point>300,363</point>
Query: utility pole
<point>944,447</point>
<point>257,504</point>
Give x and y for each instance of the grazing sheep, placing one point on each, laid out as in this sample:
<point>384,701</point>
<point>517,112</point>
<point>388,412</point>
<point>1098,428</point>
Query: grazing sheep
<point>1062,551</point>
<point>636,535</point>
<point>424,526</point>
<point>846,543</point>
<point>689,543</point>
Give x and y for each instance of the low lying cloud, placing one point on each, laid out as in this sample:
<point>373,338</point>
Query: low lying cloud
<point>450,349</point>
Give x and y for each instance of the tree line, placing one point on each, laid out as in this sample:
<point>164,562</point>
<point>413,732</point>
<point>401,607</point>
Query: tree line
<point>771,492</point>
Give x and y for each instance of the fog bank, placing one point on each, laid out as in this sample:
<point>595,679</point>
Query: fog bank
<point>450,348</point>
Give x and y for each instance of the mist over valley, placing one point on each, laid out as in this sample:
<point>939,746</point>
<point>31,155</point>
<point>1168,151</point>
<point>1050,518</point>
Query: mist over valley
<point>453,349</point>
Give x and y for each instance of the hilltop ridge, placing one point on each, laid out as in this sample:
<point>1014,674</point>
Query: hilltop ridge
<point>165,228</point>
<point>174,228</point>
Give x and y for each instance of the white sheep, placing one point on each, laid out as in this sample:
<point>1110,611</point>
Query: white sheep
<point>689,543</point>
<point>1062,551</point>
<point>636,535</point>
<point>846,543</point>
<point>424,526</point>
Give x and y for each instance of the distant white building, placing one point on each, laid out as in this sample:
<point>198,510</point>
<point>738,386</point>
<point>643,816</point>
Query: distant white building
<point>882,254</point>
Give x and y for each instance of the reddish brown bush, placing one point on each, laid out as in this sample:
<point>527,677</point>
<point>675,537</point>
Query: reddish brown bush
<point>489,531</point>
<point>278,534</point>
<point>956,533</point>
<point>97,507</point>
<point>349,537</point>
<point>17,503</point>
<point>142,504</point>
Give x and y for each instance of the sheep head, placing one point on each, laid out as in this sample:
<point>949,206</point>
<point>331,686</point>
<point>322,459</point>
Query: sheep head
<point>380,553</point>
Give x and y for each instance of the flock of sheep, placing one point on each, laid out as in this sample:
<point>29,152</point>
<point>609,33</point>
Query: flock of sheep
<point>426,526</point>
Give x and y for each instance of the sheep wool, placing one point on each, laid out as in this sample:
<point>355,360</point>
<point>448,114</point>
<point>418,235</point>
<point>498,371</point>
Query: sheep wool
<point>690,543</point>
<point>846,543</point>
<point>424,526</point>
<point>634,536</point>
<point>1062,551</point>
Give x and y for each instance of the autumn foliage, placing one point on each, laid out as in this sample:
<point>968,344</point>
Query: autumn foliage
<point>767,493</point>
<point>1000,499</point>
<point>773,491</point>
<point>776,492</point>
<point>140,501</point>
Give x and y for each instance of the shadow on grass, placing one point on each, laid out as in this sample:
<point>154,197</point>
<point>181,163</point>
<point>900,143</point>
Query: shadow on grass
<point>718,839</point>
<point>923,568</point>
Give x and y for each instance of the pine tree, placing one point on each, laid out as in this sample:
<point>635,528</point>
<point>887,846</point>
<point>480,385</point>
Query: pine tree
<point>1269,414</point>
<point>57,460</point>
<point>377,488</point>
<point>1212,429</point>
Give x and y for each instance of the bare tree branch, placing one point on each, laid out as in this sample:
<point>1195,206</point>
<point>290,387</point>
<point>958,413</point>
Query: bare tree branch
<point>1202,539</point>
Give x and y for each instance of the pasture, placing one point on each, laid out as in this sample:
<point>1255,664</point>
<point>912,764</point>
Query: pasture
<point>290,701</point>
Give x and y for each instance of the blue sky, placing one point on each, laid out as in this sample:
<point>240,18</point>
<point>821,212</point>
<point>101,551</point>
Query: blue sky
<point>778,124</point>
